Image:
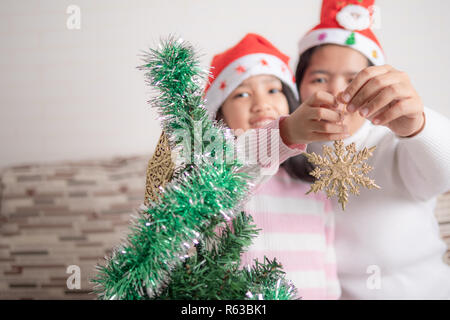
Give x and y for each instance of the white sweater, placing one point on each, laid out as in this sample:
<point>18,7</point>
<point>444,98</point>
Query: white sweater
<point>392,232</point>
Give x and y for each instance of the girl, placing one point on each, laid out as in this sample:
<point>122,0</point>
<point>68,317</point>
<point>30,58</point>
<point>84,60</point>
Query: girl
<point>387,241</point>
<point>251,88</point>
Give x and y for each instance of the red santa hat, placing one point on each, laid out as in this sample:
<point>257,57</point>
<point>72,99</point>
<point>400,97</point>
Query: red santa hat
<point>346,23</point>
<point>253,55</point>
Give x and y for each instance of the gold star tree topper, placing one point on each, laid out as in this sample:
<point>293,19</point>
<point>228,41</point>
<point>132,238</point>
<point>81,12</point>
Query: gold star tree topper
<point>343,170</point>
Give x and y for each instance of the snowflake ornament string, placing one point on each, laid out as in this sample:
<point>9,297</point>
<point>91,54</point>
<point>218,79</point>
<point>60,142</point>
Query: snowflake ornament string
<point>341,172</point>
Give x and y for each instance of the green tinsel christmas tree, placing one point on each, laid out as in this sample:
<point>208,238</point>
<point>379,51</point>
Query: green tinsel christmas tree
<point>204,195</point>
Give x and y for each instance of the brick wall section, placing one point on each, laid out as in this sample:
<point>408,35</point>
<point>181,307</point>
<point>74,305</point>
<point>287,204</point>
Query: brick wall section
<point>56,215</point>
<point>74,213</point>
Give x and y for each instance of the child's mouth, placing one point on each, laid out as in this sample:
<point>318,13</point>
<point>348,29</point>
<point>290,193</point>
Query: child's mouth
<point>262,123</point>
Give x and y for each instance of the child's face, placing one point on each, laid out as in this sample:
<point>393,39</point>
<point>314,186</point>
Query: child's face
<point>331,69</point>
<point>256,101</point>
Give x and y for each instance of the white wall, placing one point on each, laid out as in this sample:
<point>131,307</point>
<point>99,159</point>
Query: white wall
<point>73,94</point>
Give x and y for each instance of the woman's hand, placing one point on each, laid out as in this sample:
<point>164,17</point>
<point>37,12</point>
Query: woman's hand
<point>386,97</point>
<point>316,119</point>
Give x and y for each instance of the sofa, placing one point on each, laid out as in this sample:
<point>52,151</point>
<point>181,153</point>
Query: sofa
<point>54,216</point>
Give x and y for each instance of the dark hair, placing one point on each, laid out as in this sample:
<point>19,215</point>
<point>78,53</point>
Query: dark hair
<point>298,166</point>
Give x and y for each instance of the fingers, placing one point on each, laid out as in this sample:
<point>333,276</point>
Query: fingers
<point>395,111</point>
<point>325,119</point>
<point>317,136</point>
<point>320,114</point>
<point>324,107</point>
<point>328,127</point>
<point>359,81</point>
<point>321,98</point>
<point>387,95</point>
<point>372,88</point>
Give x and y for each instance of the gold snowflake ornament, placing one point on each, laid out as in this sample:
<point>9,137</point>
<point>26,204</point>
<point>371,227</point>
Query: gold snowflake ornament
<point>160,169</point>
<point>344,171</point>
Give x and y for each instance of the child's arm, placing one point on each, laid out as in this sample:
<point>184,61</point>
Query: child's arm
<point>317,119</point>
<point>262,151</point>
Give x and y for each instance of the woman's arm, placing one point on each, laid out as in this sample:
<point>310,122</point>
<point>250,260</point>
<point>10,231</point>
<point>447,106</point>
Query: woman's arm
<point>424,160</point>
<point>386,96</point>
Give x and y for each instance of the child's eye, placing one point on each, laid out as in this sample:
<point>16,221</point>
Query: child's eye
<point>274,90</point>
<point>242,95</point>
<point>350,80</point>
<point>319,80</point>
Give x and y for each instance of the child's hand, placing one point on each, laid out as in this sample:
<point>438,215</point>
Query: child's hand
<point>386,97</point>
<point>316,119</point>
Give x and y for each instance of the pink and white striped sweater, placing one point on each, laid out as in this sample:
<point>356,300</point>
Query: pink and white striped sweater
<point>297,229</point>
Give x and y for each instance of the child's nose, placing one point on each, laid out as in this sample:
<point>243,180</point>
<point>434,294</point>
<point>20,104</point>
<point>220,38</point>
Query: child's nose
<point>337,85</point>
<point>259,107</point>
<point>259,104</point>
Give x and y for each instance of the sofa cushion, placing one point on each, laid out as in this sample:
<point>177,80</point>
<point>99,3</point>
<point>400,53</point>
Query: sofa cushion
<point>443,216</point>
<point>61,214</point>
